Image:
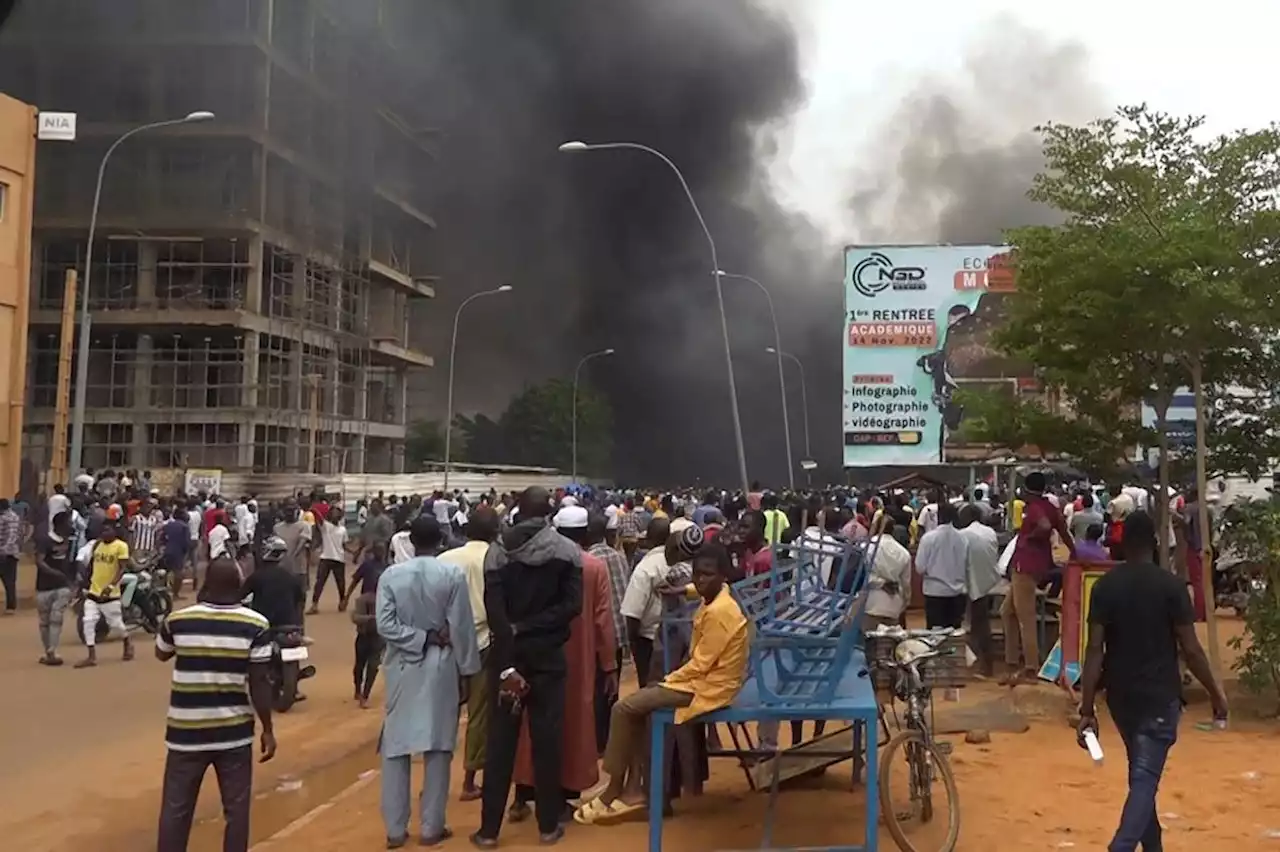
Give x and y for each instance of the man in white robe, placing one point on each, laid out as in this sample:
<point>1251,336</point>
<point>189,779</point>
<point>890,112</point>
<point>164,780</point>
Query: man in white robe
<point>424,615</point>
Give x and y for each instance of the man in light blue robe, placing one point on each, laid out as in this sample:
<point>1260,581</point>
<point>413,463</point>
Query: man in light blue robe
<point>424,614</point>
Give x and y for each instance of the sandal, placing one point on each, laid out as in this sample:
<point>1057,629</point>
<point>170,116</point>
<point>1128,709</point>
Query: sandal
<point>596,812</point>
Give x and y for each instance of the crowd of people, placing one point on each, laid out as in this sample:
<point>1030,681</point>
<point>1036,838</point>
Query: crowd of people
<point>524,608</point>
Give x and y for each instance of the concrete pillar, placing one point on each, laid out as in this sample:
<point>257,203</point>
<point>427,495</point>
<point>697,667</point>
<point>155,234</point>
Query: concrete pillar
<point>296,452</point>
<point>355,455</point>
<point>362,393</point>
<point>140,380</point>
<point>148,261</point>
<point>140,385</point>
<point>252,296</point>
<point>298,289</point>
<point>402,402</point>
<point>335,384</point>
<point>250,380</point>
<point>250,366</point>
<point>338,278</point>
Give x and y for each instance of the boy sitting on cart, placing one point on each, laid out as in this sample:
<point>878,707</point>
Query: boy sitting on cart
<point>709,681</point>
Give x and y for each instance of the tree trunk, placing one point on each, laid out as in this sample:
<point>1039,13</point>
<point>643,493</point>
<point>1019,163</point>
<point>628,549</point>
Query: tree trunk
<point>1162,489</point>
<point>1206,546</point>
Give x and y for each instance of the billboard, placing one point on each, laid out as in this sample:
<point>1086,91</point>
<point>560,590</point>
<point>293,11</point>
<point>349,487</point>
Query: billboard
<point>900,304</point>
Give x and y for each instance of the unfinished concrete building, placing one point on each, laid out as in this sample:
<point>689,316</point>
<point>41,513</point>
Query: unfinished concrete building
<point>251,275</point>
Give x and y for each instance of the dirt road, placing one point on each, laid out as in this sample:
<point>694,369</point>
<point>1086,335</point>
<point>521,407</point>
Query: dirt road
<point>81,758</point>
<point>82,752</point>
<point>1021,792</point>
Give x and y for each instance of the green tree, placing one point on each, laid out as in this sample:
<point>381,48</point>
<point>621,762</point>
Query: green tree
<point>483,439</point>
<point>1253,535</point>
<point>1025,425</point>
<point>424,442</point>
<point>536,429</point>
<point>1161,275</point>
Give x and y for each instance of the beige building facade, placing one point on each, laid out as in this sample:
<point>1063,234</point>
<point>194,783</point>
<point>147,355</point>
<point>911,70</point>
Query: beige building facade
<point>17,185</point>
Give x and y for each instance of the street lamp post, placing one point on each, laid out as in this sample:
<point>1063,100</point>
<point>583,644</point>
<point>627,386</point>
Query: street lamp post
<point>82,357</point>
<point>804,404</point>
<point>782,378</point>
<point>453,351</point>
<point>572,147</point>
<point>576,372</point>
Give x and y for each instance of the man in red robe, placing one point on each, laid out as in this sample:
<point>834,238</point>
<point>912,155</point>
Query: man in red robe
<point>591,642</point>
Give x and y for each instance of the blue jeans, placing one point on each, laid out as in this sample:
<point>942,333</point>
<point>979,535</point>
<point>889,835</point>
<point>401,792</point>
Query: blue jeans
<point>1147,739</point>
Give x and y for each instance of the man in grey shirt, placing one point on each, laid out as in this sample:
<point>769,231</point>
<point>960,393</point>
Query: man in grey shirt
<point>296,534</point>
<point>1087,516</point>
<point>378,529</point>
<point>984,577</point>
<point>942,560</point>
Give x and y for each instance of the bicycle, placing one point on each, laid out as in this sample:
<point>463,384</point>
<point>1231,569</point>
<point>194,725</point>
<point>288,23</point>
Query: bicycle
<point>915,824</point>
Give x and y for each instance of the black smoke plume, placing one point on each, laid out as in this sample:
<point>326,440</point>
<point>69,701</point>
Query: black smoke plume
<point>603,250</point>
<point>601,247</point>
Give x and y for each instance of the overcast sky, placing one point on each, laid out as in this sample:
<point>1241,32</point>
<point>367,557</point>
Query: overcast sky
<point>861,59</point>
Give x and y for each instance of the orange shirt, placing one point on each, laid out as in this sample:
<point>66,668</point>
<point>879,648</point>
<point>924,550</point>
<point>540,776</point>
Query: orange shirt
<point>717,663</point>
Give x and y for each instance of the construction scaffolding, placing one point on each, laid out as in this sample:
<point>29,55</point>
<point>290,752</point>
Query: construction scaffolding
<point>251,277</point>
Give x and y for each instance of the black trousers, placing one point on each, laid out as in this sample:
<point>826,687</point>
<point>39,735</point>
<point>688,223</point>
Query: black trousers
<point>368,659</point>
<point>945,612</point>
<point>604,705</point>
<point>545,707</point>
<point>338,569</point>
<point>642,654</point>
<point>980,635</point>
<point>183,774</point>
<point>9,577</point>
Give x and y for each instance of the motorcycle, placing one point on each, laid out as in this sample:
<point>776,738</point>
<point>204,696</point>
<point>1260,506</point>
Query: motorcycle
<point>288,666</point>
<point>145,602</point>
<point>1234,583</point>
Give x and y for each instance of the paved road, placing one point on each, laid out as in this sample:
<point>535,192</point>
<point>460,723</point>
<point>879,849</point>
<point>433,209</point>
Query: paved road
<point>82,752</point>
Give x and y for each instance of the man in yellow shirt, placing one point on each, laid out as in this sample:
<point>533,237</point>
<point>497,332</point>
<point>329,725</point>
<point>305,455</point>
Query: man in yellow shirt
<point>107,563</point>
<point>1016,507</point>
<point>776,521</point>
<point>710,680</point>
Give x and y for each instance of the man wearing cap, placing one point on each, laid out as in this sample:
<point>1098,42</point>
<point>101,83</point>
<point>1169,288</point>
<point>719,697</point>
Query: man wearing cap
<point>423,613</point>
<point>533,594</point>
<point>642,603</point>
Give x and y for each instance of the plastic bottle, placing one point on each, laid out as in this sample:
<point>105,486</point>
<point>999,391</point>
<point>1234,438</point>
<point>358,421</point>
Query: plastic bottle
<point>1094,747</point>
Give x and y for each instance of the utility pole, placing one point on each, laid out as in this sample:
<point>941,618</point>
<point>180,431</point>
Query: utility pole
<point>62,403</point>
<point>1202,520</point>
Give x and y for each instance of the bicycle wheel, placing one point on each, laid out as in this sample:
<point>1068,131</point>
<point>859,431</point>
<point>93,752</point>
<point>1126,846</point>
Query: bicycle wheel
<point>918,796</point>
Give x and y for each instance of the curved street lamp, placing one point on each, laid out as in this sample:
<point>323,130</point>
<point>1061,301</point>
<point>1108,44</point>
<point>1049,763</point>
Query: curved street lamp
<point>453,350</point>
<point>574,147</point>
<point>782,378</point>
<point>82,357</point>
<point>576,372</point>
<point>804,403</point>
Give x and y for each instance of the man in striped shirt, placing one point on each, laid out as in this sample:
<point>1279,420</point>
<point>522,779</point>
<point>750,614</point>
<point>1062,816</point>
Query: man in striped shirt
<point>222,652</point>
<point>144,529</point>
<point>619,576</point>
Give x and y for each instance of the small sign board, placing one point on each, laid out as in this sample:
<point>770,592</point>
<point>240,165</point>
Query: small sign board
<point>56,126</point>
<point>808,464</point>
<point>208,480</point>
